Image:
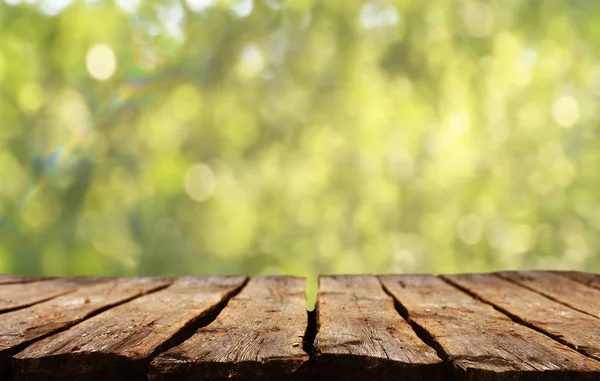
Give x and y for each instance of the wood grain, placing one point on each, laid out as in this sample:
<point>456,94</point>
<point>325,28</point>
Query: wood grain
<point>14,296</point>
<point>22,327</point>
<point>479,342</point>
<point>592,280</point>
<point>119,343</point>
<point>10,279</point>
<point>576,329</point>
<point>360,335</point>
<point>559,288</point>
<point>257,336</point>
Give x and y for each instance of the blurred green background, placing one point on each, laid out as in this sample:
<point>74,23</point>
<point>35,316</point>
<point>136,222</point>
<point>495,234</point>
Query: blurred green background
<point>298,137</point>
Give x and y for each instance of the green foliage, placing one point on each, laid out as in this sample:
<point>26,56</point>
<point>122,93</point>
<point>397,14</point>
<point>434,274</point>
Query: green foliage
<point>298,137</point>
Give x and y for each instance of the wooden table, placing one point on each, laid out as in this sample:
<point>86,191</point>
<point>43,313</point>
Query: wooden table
<point>502,326</point>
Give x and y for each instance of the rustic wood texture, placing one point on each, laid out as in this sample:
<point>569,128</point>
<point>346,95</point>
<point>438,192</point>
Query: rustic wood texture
<point>22,327</point>
<point>9,279</point>
<point>14,296</point>
<point>517,326</point>
<point>119,343</point>
<point>360,335</point>
<point>576,329</point>
<point>592,280</point>
<point>480,343</point>
<point>559,288</point>
<point>258,335</point>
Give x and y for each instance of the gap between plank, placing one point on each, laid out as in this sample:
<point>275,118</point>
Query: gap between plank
<point>24,345</point>
<point>514,317</point>
<point>422,333</point>
<point>310,334</point>
<point>579,280</point>
<point>22,279</point>
<point>67,292</point>
<point>548,296</point>
<point>190,329</point>
<point>36,302</point>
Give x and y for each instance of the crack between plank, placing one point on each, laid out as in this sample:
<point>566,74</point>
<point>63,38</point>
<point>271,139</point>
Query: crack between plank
<point>422,333</point>
<point>22,346</point>
<point>307,370</point>
<point>545,295</point>
<point>66,291</point>
<point>15,350</point>
<point>516,319</point>
<point>578,280</point>
<point>139,371</point>
<point>190,329</point>
<point>25,280</point>
<point>13,309</point>
<point>308,341</point>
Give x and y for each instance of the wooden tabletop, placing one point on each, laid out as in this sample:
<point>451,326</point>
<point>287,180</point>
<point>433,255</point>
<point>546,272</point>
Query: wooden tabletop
<point>531,325</point>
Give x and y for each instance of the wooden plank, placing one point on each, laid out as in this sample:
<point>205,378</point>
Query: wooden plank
<point>119,343</point>
<point>479,342</point>
<point>10,279</point>
<point>360,335</point>
<point>14,296</point>
<point>22,327</point>
<point>589,279</point>
<point>257,336</point>
<point>573,328</point>
<point>559,288</point>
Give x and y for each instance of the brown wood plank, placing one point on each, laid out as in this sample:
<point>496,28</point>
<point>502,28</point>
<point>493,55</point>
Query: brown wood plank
<point>22,327</point>
<point>559,288</point>
<point>119,343</point>
<point>576,329</point>
<point>479,342</point>
<point>360,335</point>
<point>14,296</point>
<point>589,279</point>
<point>10,279</point>
<point>257,336</point>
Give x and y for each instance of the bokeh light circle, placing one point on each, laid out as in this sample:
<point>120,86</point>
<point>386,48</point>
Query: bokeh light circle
<point>100,62</point>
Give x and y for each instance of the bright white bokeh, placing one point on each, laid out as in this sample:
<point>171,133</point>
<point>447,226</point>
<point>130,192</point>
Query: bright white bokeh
<point>565,110</point>
<point>373,15</point>
<point>53,7</point>
<point>171,17</point>
<point>199,5</point>
<point>242,8</point>
<point>252,62</point>
<point>129,6</point>
<point>100,62</point>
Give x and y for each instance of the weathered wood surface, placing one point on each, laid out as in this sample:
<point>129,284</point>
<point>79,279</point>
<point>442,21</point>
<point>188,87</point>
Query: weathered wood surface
<point>520,326</point>
<point>259,335</point>
<point>576,329</point>
<point>119,343</point>
<point>14,296</point>
<point>480,343</point>
<point>22,327</point>
<point>592,280</point>
<point>9,279</point>
<point>559,288</point>
<point>360,335</point>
